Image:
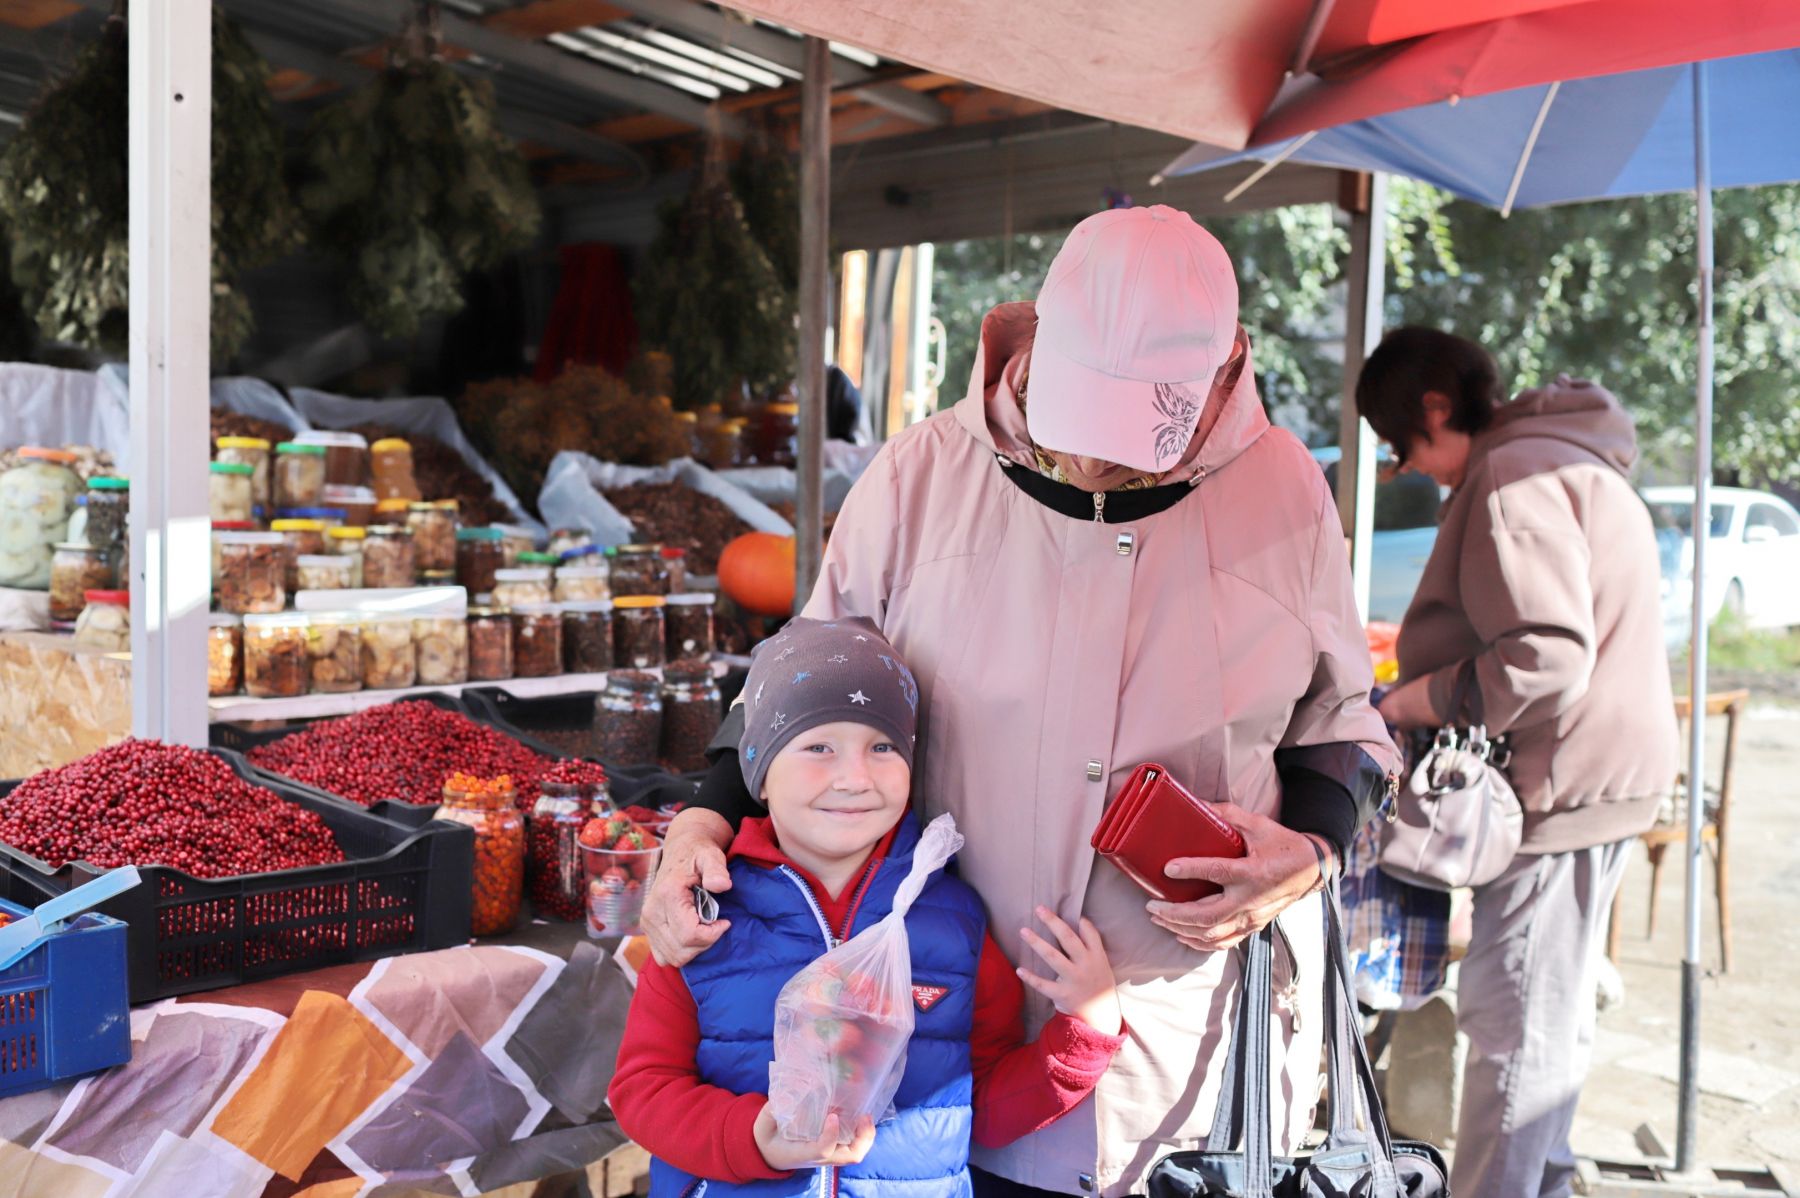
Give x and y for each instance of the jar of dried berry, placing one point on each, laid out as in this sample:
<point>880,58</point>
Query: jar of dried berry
<point>537,640</point>
<point>630,718</point>
<point>692,711</point>
<point>587,637</point>
<point>490,644</point>
<point>637,570</point>
<point>485,805</point>
<point>689,620</point>
<point>638,633</point>
<point>480,552</point>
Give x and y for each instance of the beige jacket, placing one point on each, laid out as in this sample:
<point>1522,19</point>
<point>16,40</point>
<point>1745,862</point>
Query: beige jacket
<point>1544,581</point>
<point>1052,660</point>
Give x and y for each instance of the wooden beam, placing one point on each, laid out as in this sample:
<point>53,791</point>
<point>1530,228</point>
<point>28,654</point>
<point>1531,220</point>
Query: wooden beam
<point>815,292</point>
<point>541,18</point>
<point>35,14</point>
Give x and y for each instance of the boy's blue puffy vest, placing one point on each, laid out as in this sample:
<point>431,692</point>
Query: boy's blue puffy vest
<point>923,1152</point>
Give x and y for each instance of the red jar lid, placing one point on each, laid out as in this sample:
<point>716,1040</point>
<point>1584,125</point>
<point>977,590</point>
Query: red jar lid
<point>122,598</point>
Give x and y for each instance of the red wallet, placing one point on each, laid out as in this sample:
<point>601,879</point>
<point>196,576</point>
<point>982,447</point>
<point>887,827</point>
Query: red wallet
<point>1156,819</point>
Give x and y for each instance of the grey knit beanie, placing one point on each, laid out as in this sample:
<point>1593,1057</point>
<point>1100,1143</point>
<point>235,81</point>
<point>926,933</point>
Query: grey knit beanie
<point>817,672</point>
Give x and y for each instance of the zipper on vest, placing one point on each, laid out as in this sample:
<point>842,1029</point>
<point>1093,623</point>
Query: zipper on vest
<point>812,901</point>
<point>1099,507</point>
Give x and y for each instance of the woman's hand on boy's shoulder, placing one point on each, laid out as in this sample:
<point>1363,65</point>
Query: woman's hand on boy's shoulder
<point>1084,987</point>
<point>782,1153</point>
<point>693,855</point>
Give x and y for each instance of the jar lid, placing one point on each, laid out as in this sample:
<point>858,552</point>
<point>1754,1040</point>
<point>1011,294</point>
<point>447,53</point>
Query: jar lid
<point>327,560</point>
<point>446,505</point>
<point>222,619</point>
<point>276,619</point>
<point>694,599</point>
<point>489,613</point>
<point>325,436</point>
<point>538,609</point>
<point>567,571</point>
<point>391,445</point>
<point>251,538</point>
<point>688,417</point>
<point>121,598</point>
<point>233,468</point>
<point>784,409</point>
<point>299,447</point>
<point>81,501</point>
<point>339,617</point>
<point>103,482</point>
<point>337,492</point>
<point>241,443</point>
<point>290,525</point>
<point>44,453</point>
<point>632,680</point>
<point>539,559</point>
<point>528,574</point>
<point>481,534</point>
<point>347,533</point>
<point>392,505</point>
<point>233,525</point>
<point>736,424</point>
<point>671,552</point>
<point>437,577</point>
<point>420,505</point>
<point>688,670</point>
<point>632,602</point>
<point>588,605</point>
<point>312,513</point>
<point>388,530</point>
<point>569,555</point>
<point>622,550</point>
<point>77,546</point>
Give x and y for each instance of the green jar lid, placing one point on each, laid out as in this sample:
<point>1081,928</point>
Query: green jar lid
<point>538,559</point>
<point>480,534</point>
<point>106,483</point>
<point>300,447</point>
<point>232,468</point>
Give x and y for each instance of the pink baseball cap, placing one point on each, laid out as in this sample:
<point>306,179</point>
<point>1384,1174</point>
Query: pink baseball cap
<point>1138,313</point>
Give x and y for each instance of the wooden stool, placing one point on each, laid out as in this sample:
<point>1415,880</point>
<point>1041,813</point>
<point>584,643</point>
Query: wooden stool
<point>1673,830</point>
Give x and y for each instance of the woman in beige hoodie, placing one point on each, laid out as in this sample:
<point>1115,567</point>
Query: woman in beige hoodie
<point>1104,555</point>
<point>1538,615</point>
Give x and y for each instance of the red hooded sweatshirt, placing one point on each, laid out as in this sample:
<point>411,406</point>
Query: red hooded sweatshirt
<point>661,1103</point>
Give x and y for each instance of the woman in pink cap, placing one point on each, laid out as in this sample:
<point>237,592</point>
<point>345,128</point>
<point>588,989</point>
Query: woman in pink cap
<point>1104,555</point>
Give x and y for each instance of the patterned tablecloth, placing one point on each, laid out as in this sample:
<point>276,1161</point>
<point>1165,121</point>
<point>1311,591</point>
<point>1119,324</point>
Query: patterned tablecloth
<point>454,1072</point>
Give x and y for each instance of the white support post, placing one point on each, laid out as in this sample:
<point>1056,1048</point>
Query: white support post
<point>815,284</point>
<point>1362,332</point>
<point>171,252</point>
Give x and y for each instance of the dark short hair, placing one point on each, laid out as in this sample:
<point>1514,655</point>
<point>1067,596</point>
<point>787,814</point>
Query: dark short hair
<point>1390,393</point>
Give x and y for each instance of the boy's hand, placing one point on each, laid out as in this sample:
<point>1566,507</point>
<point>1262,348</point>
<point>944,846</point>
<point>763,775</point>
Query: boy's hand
<point>782,1153</point>
<point>1084,986</point>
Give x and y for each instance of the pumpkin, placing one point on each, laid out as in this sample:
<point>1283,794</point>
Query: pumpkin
<point>757,571</point>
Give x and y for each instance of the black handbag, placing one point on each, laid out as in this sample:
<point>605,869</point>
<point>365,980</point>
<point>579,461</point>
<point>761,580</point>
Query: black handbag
<point>1358,1158</point>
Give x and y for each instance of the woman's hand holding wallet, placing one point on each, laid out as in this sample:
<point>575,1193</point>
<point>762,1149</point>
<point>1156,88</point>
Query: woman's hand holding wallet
<point>1255,870</point>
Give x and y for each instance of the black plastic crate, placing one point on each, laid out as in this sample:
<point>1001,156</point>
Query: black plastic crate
<point>403,890</point>
<point>525,719</point>
<point>647,784</point>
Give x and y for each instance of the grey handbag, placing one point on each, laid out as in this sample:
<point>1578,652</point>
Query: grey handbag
<point>1456,821</point>
<point>1358,1158</point>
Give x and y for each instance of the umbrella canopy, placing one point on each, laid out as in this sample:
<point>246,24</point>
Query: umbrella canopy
<point>1585,139</point>
<point>1215,71</point>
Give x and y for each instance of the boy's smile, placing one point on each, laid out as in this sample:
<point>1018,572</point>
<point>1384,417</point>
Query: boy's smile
<point>833,792</point>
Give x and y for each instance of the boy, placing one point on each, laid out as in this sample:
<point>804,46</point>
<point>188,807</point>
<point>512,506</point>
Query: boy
<point>828,748</point>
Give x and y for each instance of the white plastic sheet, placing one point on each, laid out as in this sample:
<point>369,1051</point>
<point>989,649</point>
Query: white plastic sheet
<point>254,397</point>
<point>571,497</point>
<point>844,464</point>
<point>41,405</point>
<point>426,415</point>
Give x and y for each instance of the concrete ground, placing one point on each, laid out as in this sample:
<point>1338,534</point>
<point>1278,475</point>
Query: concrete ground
<point>1750,1018</point>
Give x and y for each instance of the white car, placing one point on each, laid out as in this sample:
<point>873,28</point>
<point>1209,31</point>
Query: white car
<point>1752,552</point>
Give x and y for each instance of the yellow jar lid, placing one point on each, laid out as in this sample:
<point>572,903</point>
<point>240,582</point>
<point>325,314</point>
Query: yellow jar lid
<point>242,443</point>
<point>391,445</point>
<point>347,533</point>
<point>632,601</point>
<point>392,505</point>
<point>297,526</point>
<point>688,417</point>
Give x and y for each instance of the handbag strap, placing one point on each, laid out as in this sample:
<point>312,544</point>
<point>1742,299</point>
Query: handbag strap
<point>1356,1117</point>
<point>1242,1115</point>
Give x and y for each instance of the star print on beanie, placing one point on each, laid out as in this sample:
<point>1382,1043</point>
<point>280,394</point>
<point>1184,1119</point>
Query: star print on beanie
<point>817,672</point>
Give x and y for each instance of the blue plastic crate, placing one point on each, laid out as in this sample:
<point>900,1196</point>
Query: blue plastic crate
<point>63,1009</point>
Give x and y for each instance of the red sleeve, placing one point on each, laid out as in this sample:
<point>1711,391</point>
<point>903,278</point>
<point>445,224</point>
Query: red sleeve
<point>659,1099</point>
<point>1020,1087</point>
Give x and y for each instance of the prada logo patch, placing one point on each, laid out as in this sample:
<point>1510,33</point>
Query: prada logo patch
<point>926,997</point>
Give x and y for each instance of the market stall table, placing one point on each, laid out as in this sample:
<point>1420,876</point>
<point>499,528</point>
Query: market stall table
<point>459,1071</point>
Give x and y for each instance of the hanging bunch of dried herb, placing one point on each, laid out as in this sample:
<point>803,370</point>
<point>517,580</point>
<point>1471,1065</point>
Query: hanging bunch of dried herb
<point>412,185</point>
<point>63,189</point>
<point>15,326</point>
<point>769,189</point>
<point>708,295</point>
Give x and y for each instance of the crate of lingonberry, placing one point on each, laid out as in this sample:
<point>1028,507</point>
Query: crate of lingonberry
<point>393,759</point>
<point>63,1009</point>
<point>244,737</point>
<point>244,876</point>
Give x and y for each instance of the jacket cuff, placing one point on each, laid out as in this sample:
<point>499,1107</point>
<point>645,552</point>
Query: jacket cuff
<point>741,1153</point>
<point>1330,790</point>
<point>1076,1048</point>
<point>723,791</point>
